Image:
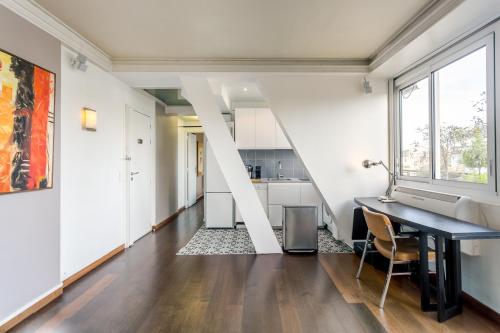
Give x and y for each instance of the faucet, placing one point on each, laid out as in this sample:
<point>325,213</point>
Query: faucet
<point>278,173</point>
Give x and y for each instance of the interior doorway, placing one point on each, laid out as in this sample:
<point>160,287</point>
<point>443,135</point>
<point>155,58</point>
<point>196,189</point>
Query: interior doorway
<point>191,169</point>
<point>195,155</point>
<point>139,174</point>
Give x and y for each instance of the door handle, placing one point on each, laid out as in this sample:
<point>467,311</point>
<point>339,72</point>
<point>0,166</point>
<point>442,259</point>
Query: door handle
<point>134,173</point>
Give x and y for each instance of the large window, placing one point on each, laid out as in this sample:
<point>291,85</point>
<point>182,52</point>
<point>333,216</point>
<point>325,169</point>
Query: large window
<point>445,119</point>
<point>415,146</point>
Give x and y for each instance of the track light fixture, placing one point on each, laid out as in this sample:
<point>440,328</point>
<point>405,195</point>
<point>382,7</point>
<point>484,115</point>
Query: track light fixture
<point>79,62</point>
<point>367,86</point>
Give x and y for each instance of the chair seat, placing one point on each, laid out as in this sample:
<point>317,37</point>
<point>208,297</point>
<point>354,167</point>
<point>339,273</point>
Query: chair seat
<point>407,249</point>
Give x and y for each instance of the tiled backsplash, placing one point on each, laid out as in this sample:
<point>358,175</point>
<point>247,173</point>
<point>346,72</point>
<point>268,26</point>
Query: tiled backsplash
<point>268,160</point>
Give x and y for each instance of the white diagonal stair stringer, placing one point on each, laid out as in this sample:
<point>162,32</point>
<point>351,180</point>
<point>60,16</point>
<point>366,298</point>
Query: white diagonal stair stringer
<point>199,93</point>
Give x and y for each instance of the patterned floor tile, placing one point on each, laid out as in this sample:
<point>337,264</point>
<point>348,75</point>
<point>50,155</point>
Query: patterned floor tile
<point>237,241</point>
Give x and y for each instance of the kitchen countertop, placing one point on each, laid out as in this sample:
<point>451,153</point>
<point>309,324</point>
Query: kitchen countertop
<point>282,180</point>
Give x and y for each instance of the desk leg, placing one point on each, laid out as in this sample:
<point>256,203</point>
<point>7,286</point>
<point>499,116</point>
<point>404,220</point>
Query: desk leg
<point>440,279</point>
<point>449,289</point>
<point>425,299</point>
<point>453,278</point>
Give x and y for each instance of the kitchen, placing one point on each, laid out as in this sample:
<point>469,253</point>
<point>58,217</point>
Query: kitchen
<point>277,174</point>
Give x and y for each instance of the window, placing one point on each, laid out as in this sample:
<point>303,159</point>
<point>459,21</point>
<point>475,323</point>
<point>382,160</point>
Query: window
<point>461,124</point>
<point>415,146</point>
<point>445,119</point>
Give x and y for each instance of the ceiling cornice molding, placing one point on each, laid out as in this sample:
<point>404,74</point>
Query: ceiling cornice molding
<point>241,65</point>
<point>425,18</point>
<point>40,17</point>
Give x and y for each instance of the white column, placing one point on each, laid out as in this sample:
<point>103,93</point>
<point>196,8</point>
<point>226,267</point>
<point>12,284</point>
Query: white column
<point>197,90</point>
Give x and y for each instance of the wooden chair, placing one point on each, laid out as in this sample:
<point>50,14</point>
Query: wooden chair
<point>398,249</point>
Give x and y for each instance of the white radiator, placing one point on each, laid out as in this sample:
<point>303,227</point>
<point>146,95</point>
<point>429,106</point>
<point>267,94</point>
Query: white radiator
<point>459,207</point>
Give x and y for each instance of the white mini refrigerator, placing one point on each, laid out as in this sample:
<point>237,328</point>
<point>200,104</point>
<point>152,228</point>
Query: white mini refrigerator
<point>218,197</point>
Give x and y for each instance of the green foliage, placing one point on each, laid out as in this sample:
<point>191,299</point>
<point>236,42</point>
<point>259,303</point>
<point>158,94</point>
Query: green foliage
<point>475,156</point>
<point>469,142</point>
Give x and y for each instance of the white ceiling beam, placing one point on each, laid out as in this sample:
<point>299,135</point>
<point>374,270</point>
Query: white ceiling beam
<point>241,65</point>
<point>199,93</point>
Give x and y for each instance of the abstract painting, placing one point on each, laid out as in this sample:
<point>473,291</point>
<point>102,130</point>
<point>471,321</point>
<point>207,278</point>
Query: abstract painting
<point>27,100</point>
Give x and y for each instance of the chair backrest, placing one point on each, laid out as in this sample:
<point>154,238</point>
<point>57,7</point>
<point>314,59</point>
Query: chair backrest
<point>379,225</point>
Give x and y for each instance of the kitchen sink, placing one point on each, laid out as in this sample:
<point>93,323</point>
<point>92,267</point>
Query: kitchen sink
<point>288,179</point>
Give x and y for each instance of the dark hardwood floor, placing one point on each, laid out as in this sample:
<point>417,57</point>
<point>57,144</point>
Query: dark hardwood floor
<point>150,289</point>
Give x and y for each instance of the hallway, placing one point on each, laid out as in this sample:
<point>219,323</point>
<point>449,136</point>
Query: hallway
<point>150,289</point>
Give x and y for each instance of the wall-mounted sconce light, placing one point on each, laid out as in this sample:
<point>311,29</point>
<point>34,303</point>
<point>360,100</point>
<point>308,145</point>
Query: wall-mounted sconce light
<point>89,119</point>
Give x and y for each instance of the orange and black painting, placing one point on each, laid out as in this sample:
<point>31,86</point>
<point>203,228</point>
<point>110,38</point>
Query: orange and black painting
<point>27,100</point>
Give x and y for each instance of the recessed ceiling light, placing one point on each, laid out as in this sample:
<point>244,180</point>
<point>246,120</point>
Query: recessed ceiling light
<point>245,89</point>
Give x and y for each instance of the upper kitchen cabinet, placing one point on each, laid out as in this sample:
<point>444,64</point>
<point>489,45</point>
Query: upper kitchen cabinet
<point>244,120</point>
<point>258,129</point>
<point>265,129</point>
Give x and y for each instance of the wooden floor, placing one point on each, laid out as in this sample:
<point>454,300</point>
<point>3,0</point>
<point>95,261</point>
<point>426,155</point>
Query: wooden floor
<point>150,289</point>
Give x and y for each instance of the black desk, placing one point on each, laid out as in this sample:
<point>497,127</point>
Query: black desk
<point>447,233</point>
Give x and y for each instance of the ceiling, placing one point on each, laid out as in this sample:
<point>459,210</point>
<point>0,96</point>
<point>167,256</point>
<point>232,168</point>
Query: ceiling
<point>236,29</point>
<point>169,96</point>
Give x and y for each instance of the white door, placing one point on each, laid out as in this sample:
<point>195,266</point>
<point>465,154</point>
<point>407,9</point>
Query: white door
<point>139,150</point>
<point>191,173</point>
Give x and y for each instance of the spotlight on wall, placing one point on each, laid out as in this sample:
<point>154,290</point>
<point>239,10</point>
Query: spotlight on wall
<point>79,62</point>
<point>367,86</point>
<point>89,119</point>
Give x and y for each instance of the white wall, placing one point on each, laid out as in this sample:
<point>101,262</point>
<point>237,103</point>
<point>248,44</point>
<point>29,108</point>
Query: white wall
<point>29,223</point>
<point>92,194</point>
<point>166,164</point>
<point>333,126</point>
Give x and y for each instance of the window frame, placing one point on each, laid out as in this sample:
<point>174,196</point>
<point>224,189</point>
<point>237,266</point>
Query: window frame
<point>426,70</point>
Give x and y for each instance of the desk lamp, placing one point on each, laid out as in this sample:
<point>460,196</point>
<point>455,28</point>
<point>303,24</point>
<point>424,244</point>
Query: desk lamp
<point>387,197</point>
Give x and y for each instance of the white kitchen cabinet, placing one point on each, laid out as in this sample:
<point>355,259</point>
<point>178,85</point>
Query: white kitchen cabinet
<point>244,120</point>
<point>261,190</point>
<point>214,180</point>
<point>258,129</point>
<point>265,129</point>
<point>284,194</point>
<point>309,195</point>
<point>281,140</point>
<point>220,214</point>
<point>276,215</point>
